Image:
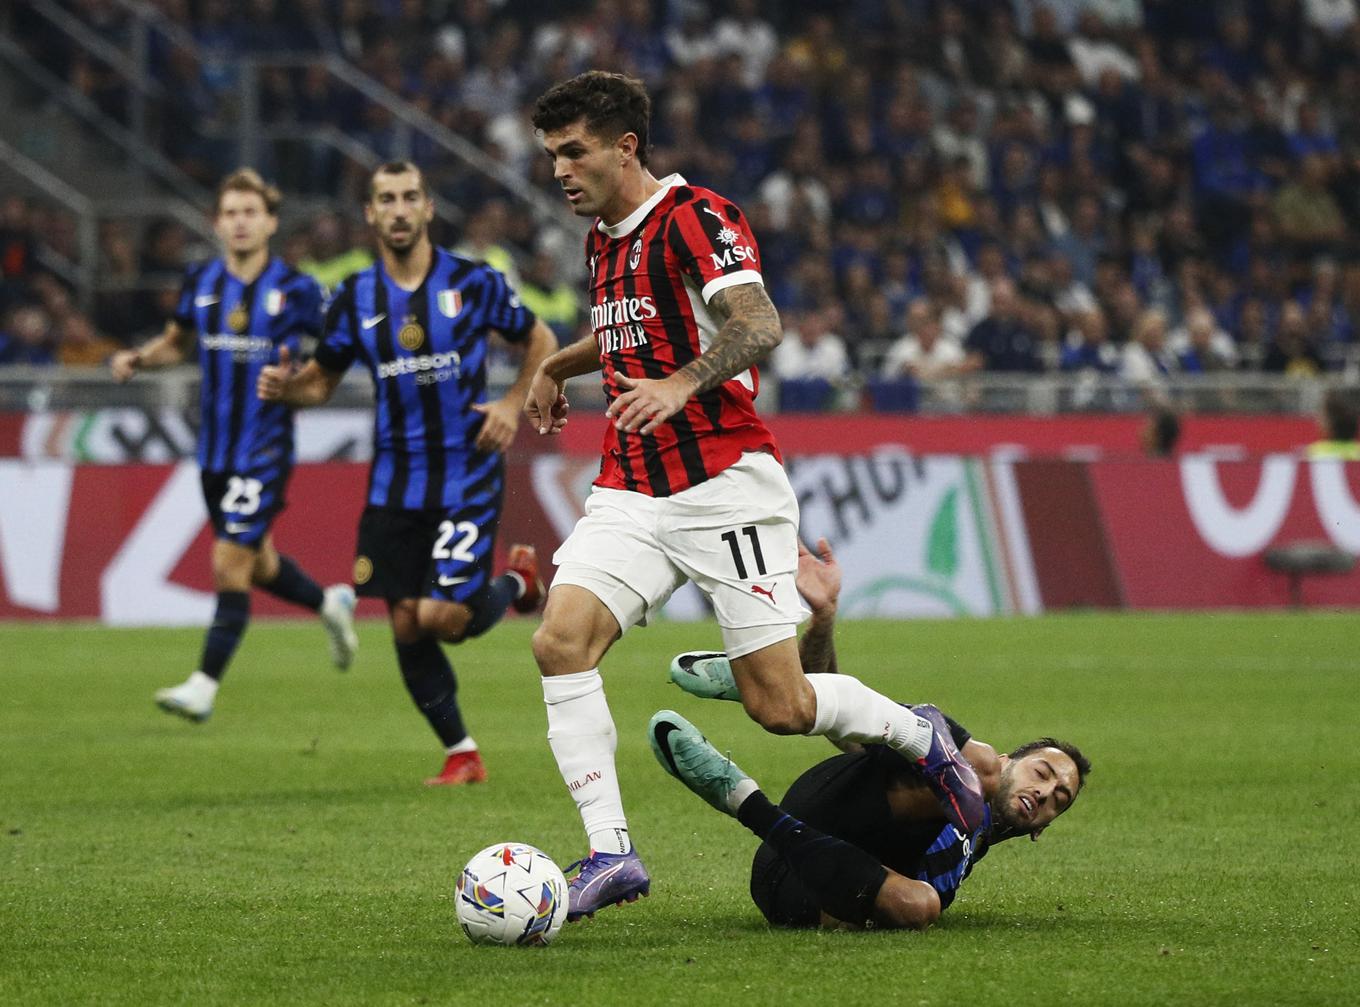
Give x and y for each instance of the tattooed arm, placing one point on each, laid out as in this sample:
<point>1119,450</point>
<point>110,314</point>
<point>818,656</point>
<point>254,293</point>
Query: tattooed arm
<point>750,330</point>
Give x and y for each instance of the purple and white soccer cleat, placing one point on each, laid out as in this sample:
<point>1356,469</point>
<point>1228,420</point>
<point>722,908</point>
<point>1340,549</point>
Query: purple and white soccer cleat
<point>950,776</point>
<point>605,879</point>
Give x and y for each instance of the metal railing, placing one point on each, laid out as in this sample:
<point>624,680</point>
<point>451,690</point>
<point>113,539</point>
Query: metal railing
<point>79,272</point>
<point>248,131</point>
<point>37,388</point>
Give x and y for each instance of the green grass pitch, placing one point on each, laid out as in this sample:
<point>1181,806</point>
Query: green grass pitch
<point>285,852</point>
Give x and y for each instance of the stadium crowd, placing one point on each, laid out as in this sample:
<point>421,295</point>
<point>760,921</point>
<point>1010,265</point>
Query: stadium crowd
<point>1133,188</point>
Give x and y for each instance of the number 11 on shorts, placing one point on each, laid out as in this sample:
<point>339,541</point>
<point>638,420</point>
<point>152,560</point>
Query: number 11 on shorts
<point>730,537</point>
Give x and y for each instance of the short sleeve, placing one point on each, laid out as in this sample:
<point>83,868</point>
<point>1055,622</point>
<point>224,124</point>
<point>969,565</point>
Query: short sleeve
<point>306,307</point>
<point>184,304</point>
<point>338,346</point>
<point>504,311</point>
<point>713,243</point>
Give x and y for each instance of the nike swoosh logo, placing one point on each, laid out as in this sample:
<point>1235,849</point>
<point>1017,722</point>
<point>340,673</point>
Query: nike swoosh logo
<point>368,323</point>
<point>451,581</point>
<point>204,302</point>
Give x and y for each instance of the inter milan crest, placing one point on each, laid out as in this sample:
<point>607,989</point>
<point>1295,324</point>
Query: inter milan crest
<point>450,302</point>
<point>635,256</point>
<point>238,318</point>
<point>411,335</point>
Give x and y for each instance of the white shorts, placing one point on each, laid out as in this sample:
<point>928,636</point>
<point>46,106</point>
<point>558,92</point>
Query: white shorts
<point>735,536</point>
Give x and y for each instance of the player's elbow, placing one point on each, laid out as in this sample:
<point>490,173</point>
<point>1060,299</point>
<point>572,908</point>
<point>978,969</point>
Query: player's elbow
<point>906,904</point>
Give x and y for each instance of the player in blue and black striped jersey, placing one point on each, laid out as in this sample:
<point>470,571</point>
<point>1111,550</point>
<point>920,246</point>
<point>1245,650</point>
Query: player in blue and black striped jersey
<point>867,838</point>
<point>246,308</point>
<point>419,321</point>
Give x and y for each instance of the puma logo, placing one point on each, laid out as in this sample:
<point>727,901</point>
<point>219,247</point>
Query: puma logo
<point>757,589</point>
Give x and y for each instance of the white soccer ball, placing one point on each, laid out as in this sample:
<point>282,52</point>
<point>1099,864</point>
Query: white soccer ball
<point>511,893</point>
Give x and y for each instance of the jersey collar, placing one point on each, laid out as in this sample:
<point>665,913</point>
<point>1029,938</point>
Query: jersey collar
<point>630,223</point>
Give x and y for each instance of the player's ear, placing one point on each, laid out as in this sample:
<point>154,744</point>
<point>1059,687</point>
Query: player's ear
<point>627,146</point>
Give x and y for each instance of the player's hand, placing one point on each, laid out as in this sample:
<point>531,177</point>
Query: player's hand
<point>646,403</point>
<point>819,577</point>
<point>273,380</point>
<point>125,363</point>
<point>498,428</point>
<point>546,405</point>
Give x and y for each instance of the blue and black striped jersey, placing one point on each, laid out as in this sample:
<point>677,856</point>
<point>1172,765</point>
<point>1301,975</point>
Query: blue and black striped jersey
<point>426,351</point>
<point>846,796</point>
<point>240,328</point>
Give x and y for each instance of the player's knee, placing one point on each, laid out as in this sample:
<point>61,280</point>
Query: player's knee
<point>906,904</point>
<point>558,652</point>
<point>405,619</point>
<point>444,620</point>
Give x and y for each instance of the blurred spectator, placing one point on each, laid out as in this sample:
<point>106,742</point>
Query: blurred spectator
<point>1201,347</point>
<point>813,350</point>
<point>330,255</point>
<point>1294,352</point>
<point>1002,342</point>
<point>483,241</point>
<point>745,33</point>
<point>1160,433</point>
<point>1339,423</point>
<point>925,352</point>
<point>1146,361</point>
<point>1308,217</point>
<point>18,251</point>
<point>551,299</point>
<point>80,345</point>
<point>26,336</point>
<point>1087,347</point>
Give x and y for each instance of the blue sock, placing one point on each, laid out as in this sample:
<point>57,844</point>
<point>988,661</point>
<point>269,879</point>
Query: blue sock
<point>229,623</point>
<point>488,606</point>
<point>293,584</point>
<point>434,688</point>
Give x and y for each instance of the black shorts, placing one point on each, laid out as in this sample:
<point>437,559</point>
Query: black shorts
<point>441,554</point>
<point>242,506</point>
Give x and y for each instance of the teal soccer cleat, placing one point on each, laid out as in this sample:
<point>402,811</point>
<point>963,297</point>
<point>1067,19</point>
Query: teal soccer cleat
<point>687,755</point>
<point>706,674</point>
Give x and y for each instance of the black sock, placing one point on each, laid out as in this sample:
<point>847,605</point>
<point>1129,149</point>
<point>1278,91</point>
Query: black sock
<point>430,681</point>
<point>488,606</point>
<point>841,877</point>
<point>233,612</point>
<point>293,584</point>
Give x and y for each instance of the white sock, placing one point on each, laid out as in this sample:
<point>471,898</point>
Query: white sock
<point>582,737</point>
<point>203,686</point>
<point>466,745</point>
<point>848,710</point>
<point>740,792</point>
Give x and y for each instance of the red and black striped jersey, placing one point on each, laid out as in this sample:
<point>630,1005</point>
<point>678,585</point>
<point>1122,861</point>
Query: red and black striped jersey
<point>651,278</point>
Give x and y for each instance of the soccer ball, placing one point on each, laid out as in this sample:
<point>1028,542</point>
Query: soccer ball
<point>511,893</point>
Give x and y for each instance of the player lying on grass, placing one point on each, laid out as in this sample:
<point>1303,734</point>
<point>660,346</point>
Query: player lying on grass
<point>861,839</point>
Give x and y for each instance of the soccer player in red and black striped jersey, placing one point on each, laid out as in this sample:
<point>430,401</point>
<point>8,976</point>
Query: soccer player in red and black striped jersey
<point>691,486</point>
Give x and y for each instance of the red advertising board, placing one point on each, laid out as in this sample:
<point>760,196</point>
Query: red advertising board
<point>130,544</point>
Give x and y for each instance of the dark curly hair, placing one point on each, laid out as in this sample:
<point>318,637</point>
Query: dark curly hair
<point>611,104</point>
